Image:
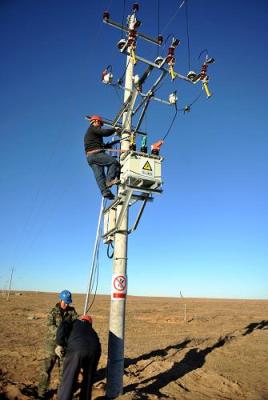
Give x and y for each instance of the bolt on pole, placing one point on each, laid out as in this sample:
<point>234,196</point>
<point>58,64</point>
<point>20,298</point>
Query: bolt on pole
<point>115,365</point>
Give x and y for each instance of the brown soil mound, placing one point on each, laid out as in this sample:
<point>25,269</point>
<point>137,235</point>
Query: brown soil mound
<point>217,350</point>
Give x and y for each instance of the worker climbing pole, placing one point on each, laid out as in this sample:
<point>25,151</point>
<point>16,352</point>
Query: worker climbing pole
<point>140,176</point>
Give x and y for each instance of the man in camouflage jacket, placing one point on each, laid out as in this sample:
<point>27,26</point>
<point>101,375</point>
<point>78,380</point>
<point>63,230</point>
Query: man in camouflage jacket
<point>61,312</point>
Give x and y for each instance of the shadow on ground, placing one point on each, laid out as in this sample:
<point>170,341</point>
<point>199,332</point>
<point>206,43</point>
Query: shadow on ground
<point>193,359</point>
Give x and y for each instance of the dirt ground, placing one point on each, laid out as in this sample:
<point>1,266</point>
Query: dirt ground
<point>187,349</point>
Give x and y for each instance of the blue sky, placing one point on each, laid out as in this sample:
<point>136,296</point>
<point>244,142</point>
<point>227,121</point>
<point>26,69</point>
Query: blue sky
<point>206,235</point>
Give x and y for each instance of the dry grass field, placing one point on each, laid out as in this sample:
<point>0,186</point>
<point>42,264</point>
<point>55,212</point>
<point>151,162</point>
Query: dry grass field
<point>220,352</point>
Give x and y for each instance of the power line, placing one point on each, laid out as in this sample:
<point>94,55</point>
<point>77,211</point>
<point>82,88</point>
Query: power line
<point>158,24</point>
<point>188,37</point>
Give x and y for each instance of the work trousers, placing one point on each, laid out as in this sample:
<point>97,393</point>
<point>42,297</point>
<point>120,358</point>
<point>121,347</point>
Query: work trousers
<point>98,162</point>
<point>49,362</point>
<point>74,363</point>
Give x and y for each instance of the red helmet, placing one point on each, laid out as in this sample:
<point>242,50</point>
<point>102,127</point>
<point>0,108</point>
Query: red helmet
<point>96,118</point>
<point>86,318</point>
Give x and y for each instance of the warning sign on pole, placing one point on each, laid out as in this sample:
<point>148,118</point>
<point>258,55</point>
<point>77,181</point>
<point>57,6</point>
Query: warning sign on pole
<point>119,287</point>
<point>147,168</point>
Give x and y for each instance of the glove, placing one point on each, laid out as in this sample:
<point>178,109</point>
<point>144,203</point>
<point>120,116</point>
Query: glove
<point>59,351</point>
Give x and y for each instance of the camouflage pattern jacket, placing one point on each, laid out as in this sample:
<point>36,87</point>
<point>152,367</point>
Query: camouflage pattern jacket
<point>56,316</point>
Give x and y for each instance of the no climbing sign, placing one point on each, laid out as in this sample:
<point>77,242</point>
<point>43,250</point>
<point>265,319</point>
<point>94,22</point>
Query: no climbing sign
<point>119,287</point>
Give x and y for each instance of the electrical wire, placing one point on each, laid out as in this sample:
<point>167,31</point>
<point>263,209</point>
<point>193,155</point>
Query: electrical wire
<point>188,36</point>
<point>120,80</point>
<point>196,99</point>
<point>171,19</point>
<point>158,25</point>
<point>202,52</point>
<point>123,17</point>
<point>172,122</point>
<point>117,94</point>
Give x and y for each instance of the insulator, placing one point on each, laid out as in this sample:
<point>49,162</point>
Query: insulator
<point>132,146</point>
<point>160,39</point>
<point>130,41</point>
<point>106,16</point>
<point>144,149</point>
<point>170,59</point>
<point>131,21</point>
<point>159,60</point>
<point>186,109</point>
<point>210,60</point>
<point>172,98</point>
<point>171,51</point>
<point>155,148</point>
<point>107,77</point>
<point>121,44</point>
<point>175,42</point>
<point>203,72</point>
<point>191,75</point>
<point>132,34</point>
<point>136,79</point>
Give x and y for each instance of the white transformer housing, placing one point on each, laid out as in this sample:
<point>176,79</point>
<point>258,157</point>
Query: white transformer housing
<point>140,177</point>
<point>141,170</point>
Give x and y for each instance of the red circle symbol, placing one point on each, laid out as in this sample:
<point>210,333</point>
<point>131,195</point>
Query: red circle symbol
<point>120,283</point>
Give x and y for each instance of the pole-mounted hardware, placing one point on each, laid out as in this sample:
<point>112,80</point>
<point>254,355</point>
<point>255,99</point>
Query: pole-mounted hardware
<point>202,76</point>
<point>106,19</point>
<point>107,75</point>
<point>170,58</point>
<point>155,147</point>
<point>141,173</point>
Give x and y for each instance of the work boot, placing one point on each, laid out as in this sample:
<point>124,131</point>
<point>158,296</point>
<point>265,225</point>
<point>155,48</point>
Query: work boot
<point>112,182</point>
<point>108,195</point>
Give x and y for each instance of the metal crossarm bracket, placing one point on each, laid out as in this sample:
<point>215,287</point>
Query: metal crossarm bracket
<point>134,227</point>
<point>126,29</point>
<point>126,199</point>
<point>124,207</point>
<point>177,75</point>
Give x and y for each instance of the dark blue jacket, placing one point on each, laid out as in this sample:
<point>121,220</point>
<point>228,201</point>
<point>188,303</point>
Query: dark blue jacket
<point>93,138</point>
<point>78,336</point>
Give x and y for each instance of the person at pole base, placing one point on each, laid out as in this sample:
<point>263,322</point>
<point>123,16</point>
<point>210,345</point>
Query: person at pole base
<point>82,348</point>
<point>98,159</point>
<point>62,311</point>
